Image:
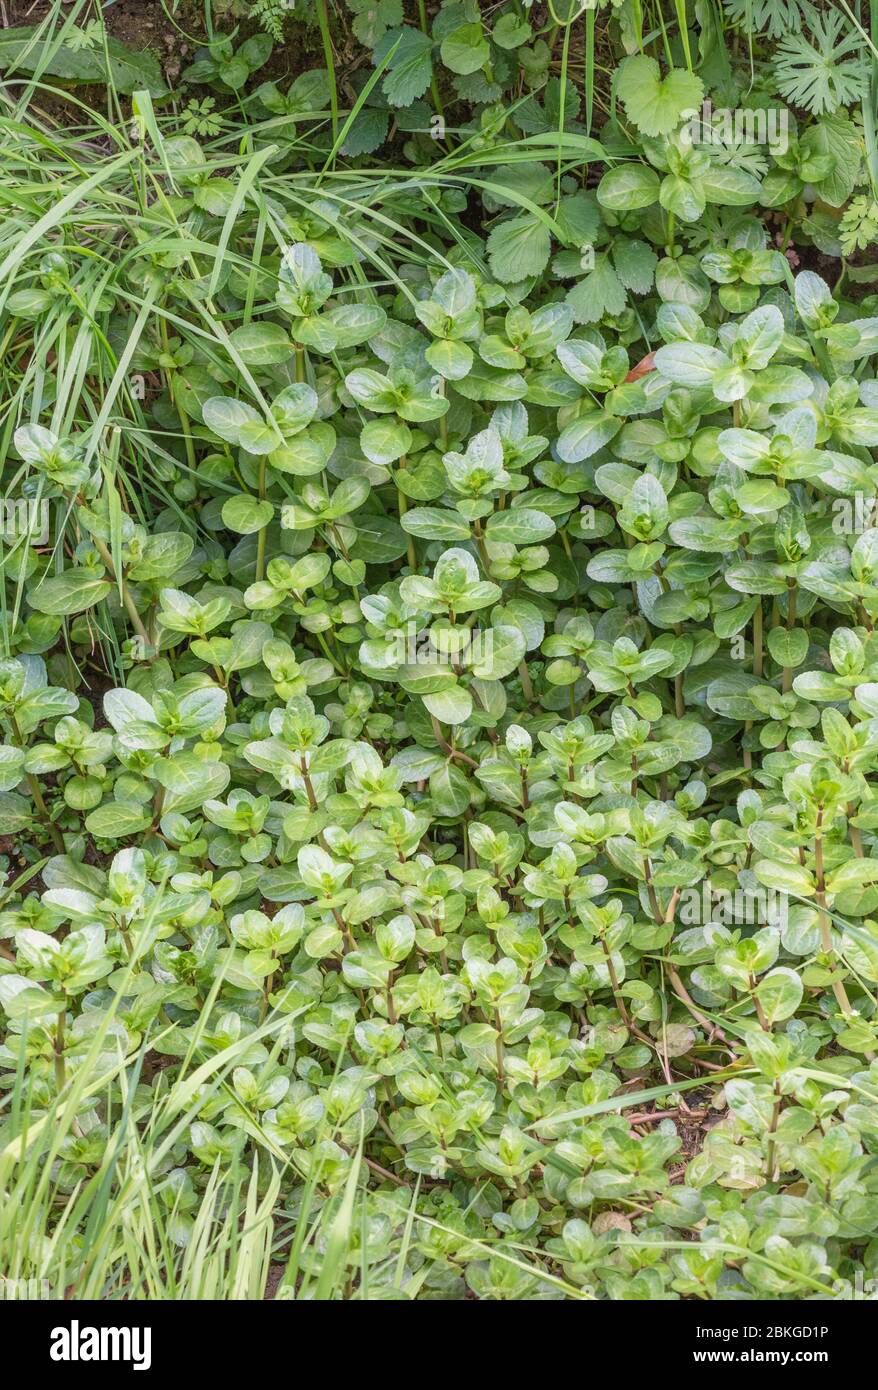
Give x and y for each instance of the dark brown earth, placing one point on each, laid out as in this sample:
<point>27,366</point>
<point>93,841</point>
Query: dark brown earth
<point>143,24</point>
<point>139,23</point>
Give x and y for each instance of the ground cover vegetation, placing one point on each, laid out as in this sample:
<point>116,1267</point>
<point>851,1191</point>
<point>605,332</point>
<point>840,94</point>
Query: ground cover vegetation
<point>439,687</point>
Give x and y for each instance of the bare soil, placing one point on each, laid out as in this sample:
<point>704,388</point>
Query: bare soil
<point>139,23</point>
<point>143,24</point>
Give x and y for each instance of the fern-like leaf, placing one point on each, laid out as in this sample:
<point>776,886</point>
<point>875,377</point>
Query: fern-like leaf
<point>823,69</point>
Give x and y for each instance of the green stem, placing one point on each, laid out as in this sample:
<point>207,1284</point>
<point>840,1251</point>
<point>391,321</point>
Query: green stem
<point>60,1072</point>
<point>329,59</point>
<point>130,605</point>
<point>770,1175</point>
<point>263,533</point>
<point>838,989</point>
<point>614,983</point>
<point>434,85</point>
<point>501,1070</point>
<point>791,622</point>
<point>402,507</point>
<point>36,793</point>
<point>526,683</point>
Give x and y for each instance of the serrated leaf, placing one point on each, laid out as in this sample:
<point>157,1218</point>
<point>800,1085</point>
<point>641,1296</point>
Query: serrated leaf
<point>518,248</point>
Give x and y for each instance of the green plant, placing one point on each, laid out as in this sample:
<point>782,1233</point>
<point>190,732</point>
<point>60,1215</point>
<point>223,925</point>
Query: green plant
<point>439,687</point>
<point>226,66</point>
<point>271,15</point>
<point>824,69</point>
